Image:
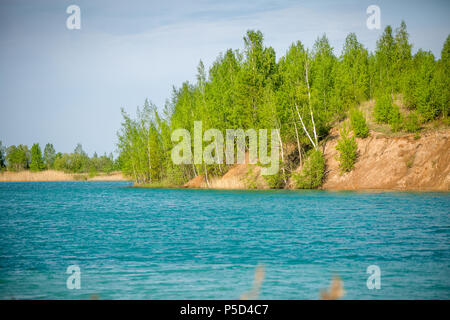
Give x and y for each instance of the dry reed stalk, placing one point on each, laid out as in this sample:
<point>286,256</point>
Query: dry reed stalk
<point>253,293</point>
<point>336,290</point>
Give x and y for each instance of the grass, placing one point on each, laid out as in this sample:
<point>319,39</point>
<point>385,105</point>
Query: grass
<point>385,129</point>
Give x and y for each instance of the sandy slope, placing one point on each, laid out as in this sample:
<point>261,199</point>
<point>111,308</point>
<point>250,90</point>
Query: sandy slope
<point>397,163</point>
<point>388,163</point>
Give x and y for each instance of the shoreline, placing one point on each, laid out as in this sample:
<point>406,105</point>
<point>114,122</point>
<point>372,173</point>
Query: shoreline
<point>329,189</point>
<point>120,177</point>
<point>369,190</point>
<point>54,175</point>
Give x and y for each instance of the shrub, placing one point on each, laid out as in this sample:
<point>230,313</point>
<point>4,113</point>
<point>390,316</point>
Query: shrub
<point>347,148</point>
<point>412,123</point>
<point>410,161</point>
<point>275,181</point>
<point>383,107</point>
<point>311,176</point>
<point>79,177</point>
<point>250,179</point>
<point>92,172</point>
<point>359,124</point>
<point>395,118</point>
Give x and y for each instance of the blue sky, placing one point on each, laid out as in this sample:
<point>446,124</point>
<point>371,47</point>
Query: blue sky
<point>67,86</point>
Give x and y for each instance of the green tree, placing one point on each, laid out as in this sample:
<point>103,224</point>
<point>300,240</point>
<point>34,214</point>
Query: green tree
<point>420,91</point>
<point>49,156</point>
<point>359,125</point>
<point>385,59</point>
<point>78,160</point>
<point>140,146</point>
<point>36,164</point>
<point>61,162</point>
<point>412,122</point>
<point>275,181</point>
<point>440,83</point>
<point>383,107</point>
<point>373,76</point>
<point>347,148</point>
<point>17,158</point>
<point>2,156</point>
<point>221,91</point>
<point>256,73</point>
<point>323,76</point>
<point>312,173</point>
<point>402,57</point>
<point>302,118</point>
<point>395,118</point>
<point>353,73</point>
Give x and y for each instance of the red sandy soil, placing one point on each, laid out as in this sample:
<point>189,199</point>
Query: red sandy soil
<point>407,162</point>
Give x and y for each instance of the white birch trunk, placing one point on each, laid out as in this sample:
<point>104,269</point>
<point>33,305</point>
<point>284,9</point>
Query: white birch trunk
<point>304,128</point>
<point>309,98</point>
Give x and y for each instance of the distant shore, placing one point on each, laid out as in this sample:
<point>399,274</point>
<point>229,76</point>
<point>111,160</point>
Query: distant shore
<point>54,175</point>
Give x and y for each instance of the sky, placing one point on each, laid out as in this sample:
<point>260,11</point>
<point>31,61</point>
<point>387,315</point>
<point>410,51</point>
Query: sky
<point>67,86</point>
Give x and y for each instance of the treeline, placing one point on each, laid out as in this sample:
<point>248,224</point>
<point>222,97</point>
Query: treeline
<point>302,94</point>
<point>17,158</point>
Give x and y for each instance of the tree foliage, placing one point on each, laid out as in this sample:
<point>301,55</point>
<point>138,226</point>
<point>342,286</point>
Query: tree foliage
<point>302,94</point>
<point>395,118</point>
<point>49,156</point>
<point>347,148</point>
<point>412,122</point>
<point>36,164</point>
<point>312,173</point>
<point>18,157</point>
<point>2,156</point>
<point>383,107</point>
<point>359,125</point>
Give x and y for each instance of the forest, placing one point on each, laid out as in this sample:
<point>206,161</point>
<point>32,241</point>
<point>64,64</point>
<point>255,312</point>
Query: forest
<point>20,157</point>
<point>303,94</point>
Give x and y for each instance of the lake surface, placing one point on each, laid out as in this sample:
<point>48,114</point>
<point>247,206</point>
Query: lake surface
<point>205,244</point>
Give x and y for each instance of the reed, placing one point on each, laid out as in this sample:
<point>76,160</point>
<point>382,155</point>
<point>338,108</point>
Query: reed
<point>336,290</point>
<point>54,175</point>
<point>253,293</point>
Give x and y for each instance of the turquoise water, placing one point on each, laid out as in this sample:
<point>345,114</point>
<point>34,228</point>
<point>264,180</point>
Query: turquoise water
<point>205,244</point>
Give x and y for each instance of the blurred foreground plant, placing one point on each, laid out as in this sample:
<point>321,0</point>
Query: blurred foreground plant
<point>335,291</point>
<point>253,293</point>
